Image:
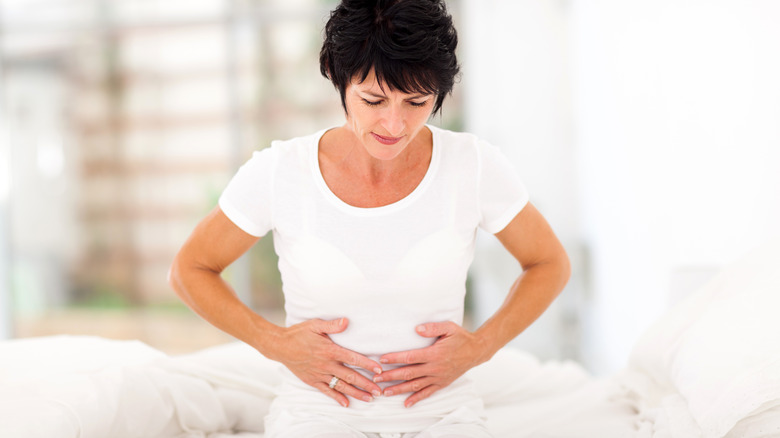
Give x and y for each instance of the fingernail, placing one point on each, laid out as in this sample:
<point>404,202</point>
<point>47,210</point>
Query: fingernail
<point>408,405</point>
<point>378,379</point>
<point>367,399</point>
<point>383,360</point>
<point>376,393</point>
<point>344,404</point>
<point>388,393</point>
<point>378,370</point>
<point>420,328</point>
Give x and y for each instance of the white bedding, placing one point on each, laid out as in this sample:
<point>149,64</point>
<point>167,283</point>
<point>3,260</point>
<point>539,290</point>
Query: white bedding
<point>124,389</point>
<point>709,369</point>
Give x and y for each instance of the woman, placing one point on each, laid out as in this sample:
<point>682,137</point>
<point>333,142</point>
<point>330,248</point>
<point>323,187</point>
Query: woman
<point>374,223</point>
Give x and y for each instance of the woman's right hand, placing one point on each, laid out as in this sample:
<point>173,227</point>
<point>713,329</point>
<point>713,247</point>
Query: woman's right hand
<point>307,351</point>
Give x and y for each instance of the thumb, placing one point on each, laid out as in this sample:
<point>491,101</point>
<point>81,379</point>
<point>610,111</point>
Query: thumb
<point>436,329</point>
<point>331,326</point>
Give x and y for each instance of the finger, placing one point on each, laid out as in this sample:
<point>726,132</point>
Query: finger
<point>355,379</point>
<point>331,326</point>
<point>405,373</point>
<point>414,386</point>
<point>349,357</point>
<point>436,329</point>
<point>332,393</point>
<point>346,388</point>
<point>420,355</point>
<point>421,395</point>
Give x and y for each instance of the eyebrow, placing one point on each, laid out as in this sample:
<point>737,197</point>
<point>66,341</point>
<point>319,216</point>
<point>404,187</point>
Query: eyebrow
<point>382,96</point>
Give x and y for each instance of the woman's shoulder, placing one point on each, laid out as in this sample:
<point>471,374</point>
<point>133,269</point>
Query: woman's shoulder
<point>461,151</point>
<point>295,148</point>
<point>457,138</point>
<point>464,145</point>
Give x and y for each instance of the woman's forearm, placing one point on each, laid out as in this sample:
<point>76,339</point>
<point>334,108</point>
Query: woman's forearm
<point>530,295</point>
<point>211,297</point>
<point>196,277</point>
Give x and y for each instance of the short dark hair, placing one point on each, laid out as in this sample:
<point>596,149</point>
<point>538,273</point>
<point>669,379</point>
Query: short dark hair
<point>410,45</point>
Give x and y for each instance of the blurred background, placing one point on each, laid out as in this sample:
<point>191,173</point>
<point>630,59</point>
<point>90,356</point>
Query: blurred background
<point>648,134</point>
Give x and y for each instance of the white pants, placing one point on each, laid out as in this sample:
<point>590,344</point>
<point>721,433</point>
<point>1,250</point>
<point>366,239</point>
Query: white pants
<point>390,435</point>
<point>300,411</point>
<point>462,423</point>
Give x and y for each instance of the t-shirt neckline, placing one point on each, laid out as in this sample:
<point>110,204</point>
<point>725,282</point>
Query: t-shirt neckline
<point>384,209</point>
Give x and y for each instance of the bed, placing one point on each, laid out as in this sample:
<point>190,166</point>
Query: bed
<point>709,368</point>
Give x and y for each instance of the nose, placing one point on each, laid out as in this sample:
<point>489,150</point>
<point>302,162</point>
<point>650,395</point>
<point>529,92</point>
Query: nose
<point>393,120</point>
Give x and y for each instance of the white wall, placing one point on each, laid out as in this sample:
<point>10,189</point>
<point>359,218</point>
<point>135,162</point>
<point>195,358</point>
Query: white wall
<point>662,166</point>
<point>42,208</point>
<point>515,88</point>
<point>678,147</point>
<point>5,191</point>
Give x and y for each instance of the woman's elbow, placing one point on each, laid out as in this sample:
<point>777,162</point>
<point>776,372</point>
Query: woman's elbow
<point>174,277</point>
<point>562,267</point>
<point>171,276</point>
<point>565,264</point>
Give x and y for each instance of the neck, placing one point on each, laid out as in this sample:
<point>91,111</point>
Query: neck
<point>377,171</point>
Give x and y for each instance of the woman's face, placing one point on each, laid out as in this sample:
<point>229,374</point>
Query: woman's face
<point>385,121</point>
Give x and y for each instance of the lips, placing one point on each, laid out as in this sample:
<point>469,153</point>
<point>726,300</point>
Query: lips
<point>386,140</point>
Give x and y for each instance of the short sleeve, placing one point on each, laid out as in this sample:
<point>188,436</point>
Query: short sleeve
<point>248,198</point>
<point>502,195</point>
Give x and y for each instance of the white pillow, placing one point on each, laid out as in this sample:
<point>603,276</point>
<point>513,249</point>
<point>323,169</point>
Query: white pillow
<point>720,348</point>
<point>30,359</point>
<point>763,424</point>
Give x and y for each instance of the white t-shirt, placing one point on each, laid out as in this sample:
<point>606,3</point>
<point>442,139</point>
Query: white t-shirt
<point>387,269</point>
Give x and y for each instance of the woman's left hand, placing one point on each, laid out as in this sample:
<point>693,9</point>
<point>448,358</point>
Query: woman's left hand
<point>430,369</point>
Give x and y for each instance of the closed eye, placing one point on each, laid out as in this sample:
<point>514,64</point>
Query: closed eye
<point>412,103</point>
